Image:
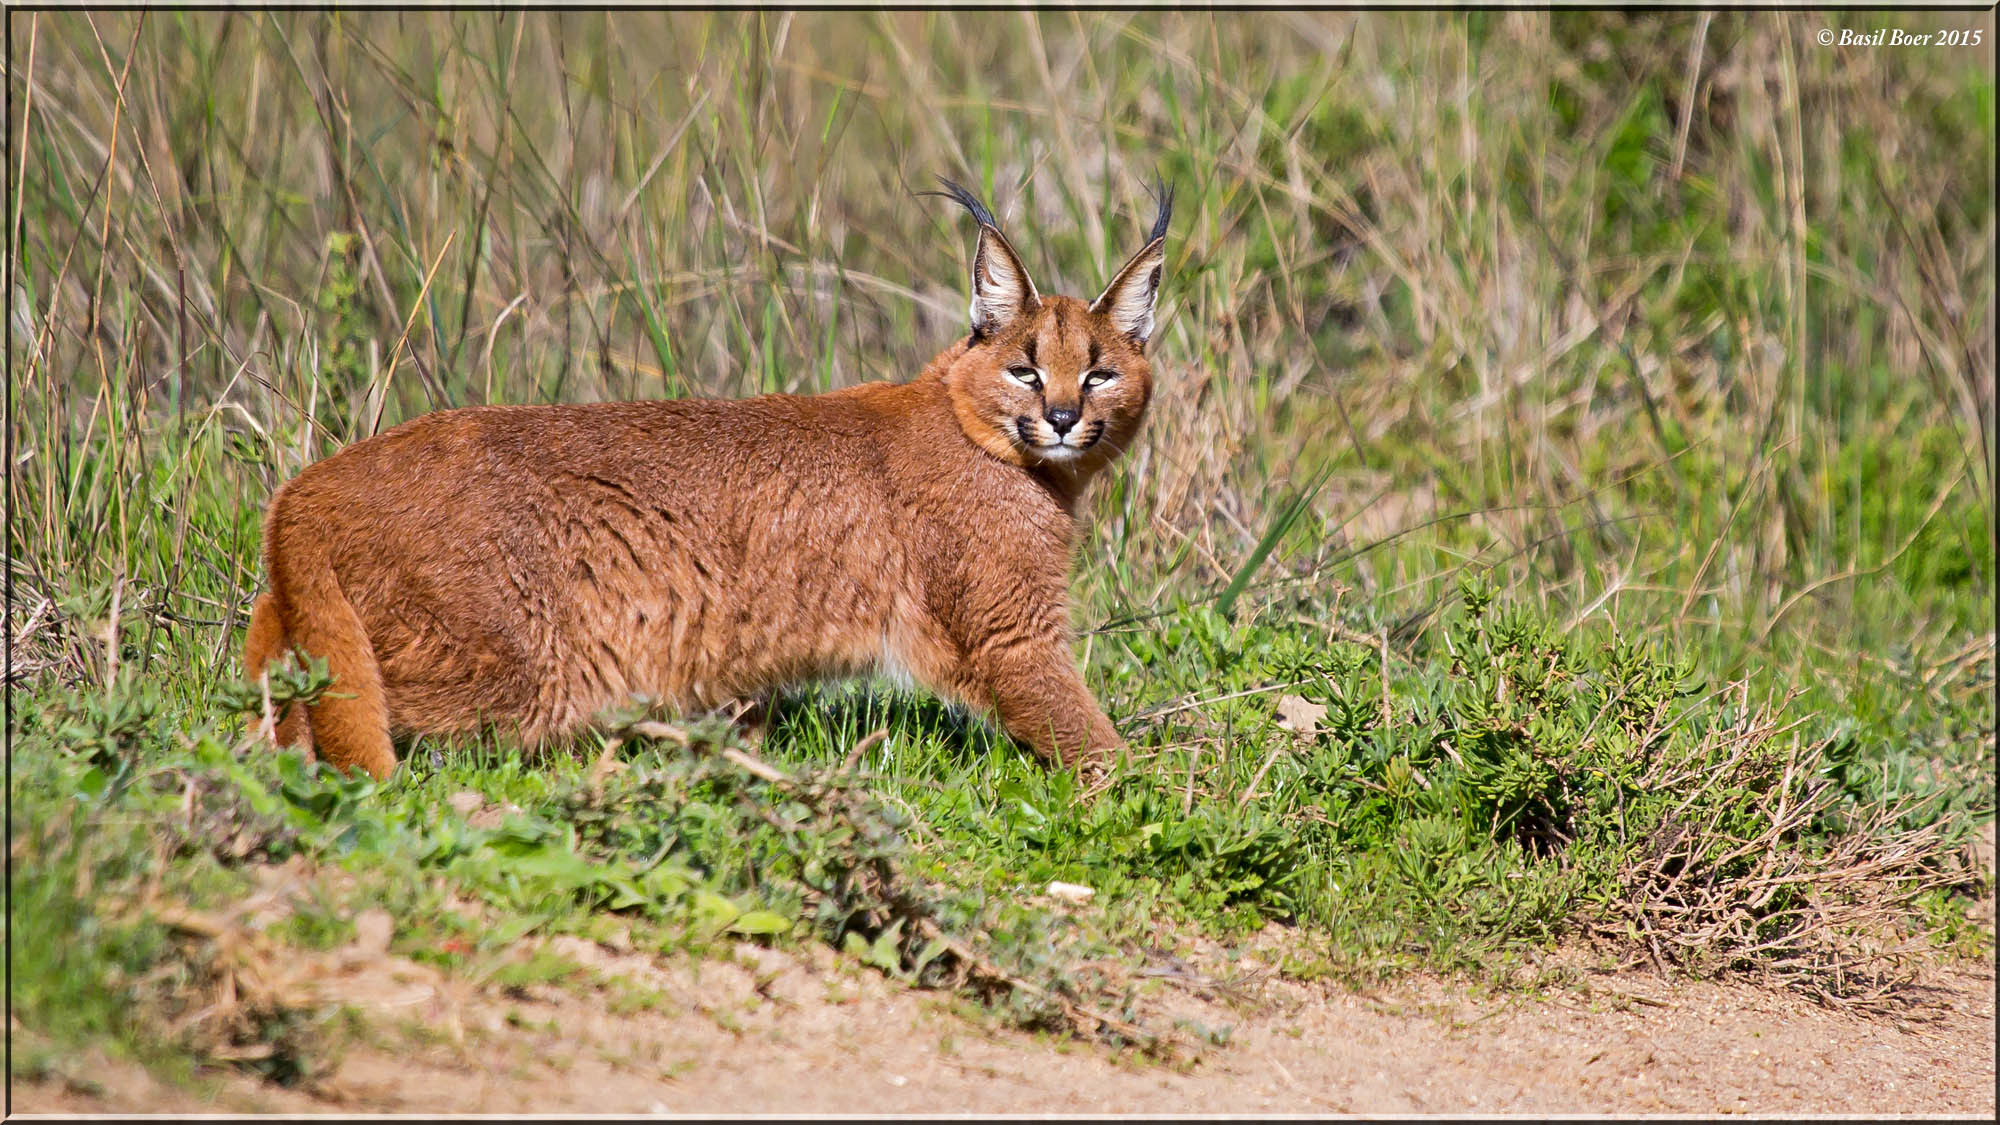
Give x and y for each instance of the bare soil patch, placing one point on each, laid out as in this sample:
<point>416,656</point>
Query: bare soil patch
<point>765,1031</point>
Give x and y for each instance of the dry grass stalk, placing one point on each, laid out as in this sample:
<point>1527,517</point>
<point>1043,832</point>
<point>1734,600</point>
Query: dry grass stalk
<point>1703,891</point>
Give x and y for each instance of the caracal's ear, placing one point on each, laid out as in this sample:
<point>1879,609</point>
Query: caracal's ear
<point>1001,288</point>
<point>1128,300</point>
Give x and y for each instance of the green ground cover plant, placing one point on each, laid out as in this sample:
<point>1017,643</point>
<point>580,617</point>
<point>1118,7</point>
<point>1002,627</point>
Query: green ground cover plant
<point>1566,514</point>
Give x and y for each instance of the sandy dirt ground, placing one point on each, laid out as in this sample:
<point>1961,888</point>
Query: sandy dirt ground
<point>807,1033</point>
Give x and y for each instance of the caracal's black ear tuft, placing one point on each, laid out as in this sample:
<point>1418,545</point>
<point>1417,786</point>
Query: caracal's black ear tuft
<point>1128,300</point>
<point>1001,288</point>
<point>964,198</point>
<point>1165,195</point>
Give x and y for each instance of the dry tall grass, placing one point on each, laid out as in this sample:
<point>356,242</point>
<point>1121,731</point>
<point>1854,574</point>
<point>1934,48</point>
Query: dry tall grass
<point>1678,318</point>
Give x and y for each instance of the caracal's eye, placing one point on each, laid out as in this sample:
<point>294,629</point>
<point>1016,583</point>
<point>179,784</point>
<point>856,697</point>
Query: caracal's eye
<point>1026,376</point>
<point>1098,378</point>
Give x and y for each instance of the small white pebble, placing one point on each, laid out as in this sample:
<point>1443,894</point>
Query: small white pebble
<point>1071,892</point>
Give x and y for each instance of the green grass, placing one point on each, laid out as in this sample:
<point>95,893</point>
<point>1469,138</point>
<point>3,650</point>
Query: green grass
<point>1585,410</point>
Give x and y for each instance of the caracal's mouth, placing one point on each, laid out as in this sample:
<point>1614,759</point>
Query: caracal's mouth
<point>1053,447</point>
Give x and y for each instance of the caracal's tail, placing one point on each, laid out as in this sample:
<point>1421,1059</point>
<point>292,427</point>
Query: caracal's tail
<point>306,612</point>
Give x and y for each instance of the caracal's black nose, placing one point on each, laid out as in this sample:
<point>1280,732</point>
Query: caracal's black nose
<point>1061,419</point>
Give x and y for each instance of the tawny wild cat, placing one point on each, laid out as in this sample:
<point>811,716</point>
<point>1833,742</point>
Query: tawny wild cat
<point>527,567</point>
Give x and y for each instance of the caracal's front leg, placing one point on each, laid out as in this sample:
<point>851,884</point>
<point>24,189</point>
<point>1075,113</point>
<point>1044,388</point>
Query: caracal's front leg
<point>1041,700</point>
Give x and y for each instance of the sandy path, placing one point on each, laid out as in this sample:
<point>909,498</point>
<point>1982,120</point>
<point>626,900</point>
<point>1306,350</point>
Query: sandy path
<point>782,1033</point>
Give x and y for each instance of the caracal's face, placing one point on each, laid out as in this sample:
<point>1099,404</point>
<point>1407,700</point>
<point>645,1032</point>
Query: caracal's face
<point>1052,382</point>
<point>1060,385</point>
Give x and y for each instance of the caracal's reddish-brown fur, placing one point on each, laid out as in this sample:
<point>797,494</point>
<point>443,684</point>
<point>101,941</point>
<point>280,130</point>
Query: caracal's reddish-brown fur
<point>529,566</point>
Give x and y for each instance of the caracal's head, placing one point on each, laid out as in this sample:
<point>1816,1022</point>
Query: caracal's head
<point>1054,382</point>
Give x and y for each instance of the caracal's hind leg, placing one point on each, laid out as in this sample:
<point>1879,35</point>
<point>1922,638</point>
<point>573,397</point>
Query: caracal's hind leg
<point>350,723</point>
